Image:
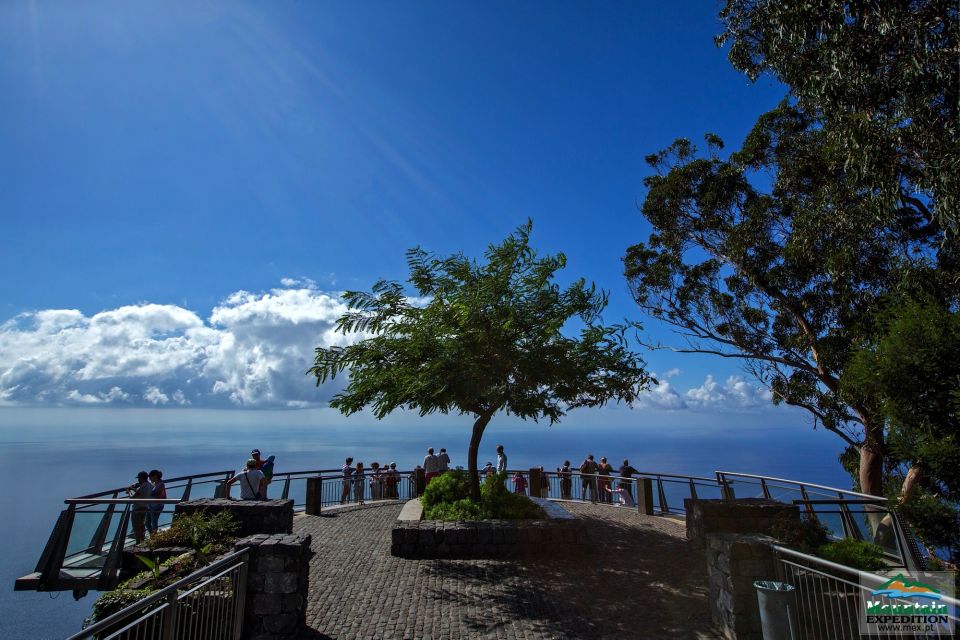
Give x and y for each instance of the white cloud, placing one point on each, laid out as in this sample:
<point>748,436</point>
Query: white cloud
<point>662,396</point>
<point>735,393</point>
<point>670,373</point>
<point>253,350</point>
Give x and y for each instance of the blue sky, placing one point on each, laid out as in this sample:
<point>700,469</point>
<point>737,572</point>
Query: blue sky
<point>185,187</point>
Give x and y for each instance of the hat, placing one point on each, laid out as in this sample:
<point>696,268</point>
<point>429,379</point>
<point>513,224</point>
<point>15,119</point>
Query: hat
<point>255,452</point>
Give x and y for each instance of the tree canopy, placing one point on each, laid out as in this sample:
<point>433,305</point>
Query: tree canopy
<point>881,77</point>
<point>482,338</point>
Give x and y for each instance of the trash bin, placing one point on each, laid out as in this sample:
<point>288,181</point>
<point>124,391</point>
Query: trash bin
<point>778,609</point>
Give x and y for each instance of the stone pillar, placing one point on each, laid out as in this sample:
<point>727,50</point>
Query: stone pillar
<point>277,583</point>
<point>745,515</point>
<point>419,482</point>
<point>645,496</point>
<point>734,562</point>
<point>314,496</point>
<point>252,516</point>
<point>536,488</point>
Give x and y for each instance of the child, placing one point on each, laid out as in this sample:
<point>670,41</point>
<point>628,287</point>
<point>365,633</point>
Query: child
<point>519,484</point>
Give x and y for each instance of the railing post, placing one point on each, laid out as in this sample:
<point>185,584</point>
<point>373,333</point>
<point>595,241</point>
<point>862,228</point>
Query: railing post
<point>536,488</point>
<point>111,566</point>
<point>286,489</point>
<point>765,488</point>
<point>664,507</point>
<point>419,482</point>
<point>240,593</point>
<point>51,561</point>
<point>170,620</point>
<point>100,535</point>
<point>725,489</point>
<point>186,490</point>
<point>314,495</point>
<point>693,490</point>
<point>645,496</point>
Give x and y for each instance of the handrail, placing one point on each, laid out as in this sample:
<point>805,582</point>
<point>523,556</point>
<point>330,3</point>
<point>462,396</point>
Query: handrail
<point>870,577</point>
<point>166,481</point>
<point>162,594</point>
<point>123,501</point>
<point>735,474</point>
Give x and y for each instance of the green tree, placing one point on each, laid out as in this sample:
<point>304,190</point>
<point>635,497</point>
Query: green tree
<point>911,372</point>
<point>881,77</point>
<point>773,257</point>
<point>488,338</point>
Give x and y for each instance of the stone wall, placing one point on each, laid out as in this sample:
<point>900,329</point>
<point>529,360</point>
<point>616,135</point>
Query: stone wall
<point>254,516</point>
<point>734,562</point>
<point>487,538</point>
<point>745,515</point>
<point>277,583</point>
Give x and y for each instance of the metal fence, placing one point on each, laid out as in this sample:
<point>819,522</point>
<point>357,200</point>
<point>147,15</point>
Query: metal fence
<point>830,597</point>
<point>669,490</point>
<point>206,605</point>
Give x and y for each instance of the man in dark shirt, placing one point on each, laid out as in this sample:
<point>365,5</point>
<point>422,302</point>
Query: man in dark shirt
<point>588,478</point>
<point>626,471</point>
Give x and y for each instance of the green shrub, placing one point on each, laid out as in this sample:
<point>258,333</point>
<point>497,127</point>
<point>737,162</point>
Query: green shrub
<point>858,554</point>
<point>195,530</point>
<point>807,536</point>
<point>113,601</point>
<point>447,497</point>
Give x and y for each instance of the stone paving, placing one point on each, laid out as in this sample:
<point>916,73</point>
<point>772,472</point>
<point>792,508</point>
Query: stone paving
<point>639,579</point>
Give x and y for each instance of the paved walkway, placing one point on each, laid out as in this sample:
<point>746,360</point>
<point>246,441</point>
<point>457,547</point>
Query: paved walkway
<point>640,579</point>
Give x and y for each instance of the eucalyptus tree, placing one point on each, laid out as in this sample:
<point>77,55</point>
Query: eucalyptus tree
<point>881,77</point>
<point>773,257</point>
<point>484,337</point>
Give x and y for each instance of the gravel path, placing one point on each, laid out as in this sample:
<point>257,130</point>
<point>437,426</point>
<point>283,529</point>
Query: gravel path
<point>639,579</point>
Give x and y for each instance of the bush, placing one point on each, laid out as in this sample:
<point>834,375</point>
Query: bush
<point>195,530</point>
<point>447,497</point>
<point>858,554</point>
<point>113,601</point>
<point>807,536</point>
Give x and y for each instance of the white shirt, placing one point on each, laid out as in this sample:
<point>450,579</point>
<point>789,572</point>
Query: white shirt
<point>501,462</point>
<point>431,463</point>
<point>249,482</point>
<point>444,461</point>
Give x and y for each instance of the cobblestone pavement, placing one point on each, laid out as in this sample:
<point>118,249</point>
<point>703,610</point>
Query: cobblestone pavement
<point>639,579</point>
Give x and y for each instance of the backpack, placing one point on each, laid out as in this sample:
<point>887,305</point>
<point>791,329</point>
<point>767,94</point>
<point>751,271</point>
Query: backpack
<point>267,468</point>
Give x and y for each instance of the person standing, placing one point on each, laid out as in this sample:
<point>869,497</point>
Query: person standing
<point>265,466</point>
<point>346,470</point>
<point>489,470</point>
<point>159,491</point>
<point>140,490</point>
<point>544,484</point>
<point>604,471</point>
<point>431,466</point>
<point>376,481</point>
<point>392,481</point>
<point>501,459</point>
<point>444,460</point>
<point>252,482</point>
<point>588,479</point>
<point>519,483</point>
<point>358,478</point>
<point>626,472</point>
<point>566,482</point>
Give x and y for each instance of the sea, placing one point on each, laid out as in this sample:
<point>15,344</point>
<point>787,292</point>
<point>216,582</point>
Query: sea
<point>46,463</point>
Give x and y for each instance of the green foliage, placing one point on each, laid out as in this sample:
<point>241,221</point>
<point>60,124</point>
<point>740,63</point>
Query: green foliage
<point>196,530</point>
<point>448,498</point>
<point>807,536</point>
<point>936,522</point>
<point>113,601</point>
<point>858,554</point>
<point>882,79</point>
<point>484,337</point>
<point>152,565</point>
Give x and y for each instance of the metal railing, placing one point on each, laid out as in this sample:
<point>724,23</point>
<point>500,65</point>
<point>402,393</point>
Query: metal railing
<point>85,548</point>
<point>206,605</point>
<point>831,597</point>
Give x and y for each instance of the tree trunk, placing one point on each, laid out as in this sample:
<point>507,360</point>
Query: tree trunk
<point>478,428</point>
<point>871,460</point>
<point>911,483</point>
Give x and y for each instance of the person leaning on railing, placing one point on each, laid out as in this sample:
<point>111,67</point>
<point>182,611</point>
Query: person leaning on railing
<point>626,472</point>
<point>566,481</point>
<point>604,470</point>
<point>347,471</point>
<point>140,490</point>
<point>253,484</point>
<point>588,478</point>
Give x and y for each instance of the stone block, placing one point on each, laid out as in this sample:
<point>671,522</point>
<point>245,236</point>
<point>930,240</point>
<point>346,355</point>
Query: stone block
<point>267,604</point>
